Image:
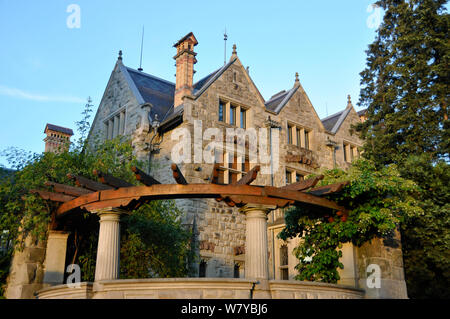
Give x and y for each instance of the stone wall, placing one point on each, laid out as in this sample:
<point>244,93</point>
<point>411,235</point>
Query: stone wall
<point>387,254</point>
<point>219,229</point>
<point>199,288</point>
<point>27,271</point>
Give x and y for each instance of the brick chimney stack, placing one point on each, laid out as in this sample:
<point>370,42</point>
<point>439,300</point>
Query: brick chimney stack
<point>58,138</point>
<point>185,60</point>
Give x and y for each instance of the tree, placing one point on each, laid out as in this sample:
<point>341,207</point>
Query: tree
<point>405,83</point>
<point>154,230</point>
<point>378,200</point>
<point>405,90</point>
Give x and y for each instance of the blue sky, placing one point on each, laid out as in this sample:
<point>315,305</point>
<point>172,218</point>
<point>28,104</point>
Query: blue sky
<point>47,70</point>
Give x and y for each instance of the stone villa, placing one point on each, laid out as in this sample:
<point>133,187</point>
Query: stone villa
<point>148,109</point>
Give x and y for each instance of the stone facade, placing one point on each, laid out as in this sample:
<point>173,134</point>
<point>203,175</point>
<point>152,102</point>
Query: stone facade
<point>134,101</point>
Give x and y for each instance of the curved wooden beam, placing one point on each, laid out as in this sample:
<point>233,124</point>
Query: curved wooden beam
<point>173,191</point>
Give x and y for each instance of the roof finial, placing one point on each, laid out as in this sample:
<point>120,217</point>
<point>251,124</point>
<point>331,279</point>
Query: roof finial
<point>349,100</point>
<point>234,49</point>
<point>120,55</point>
<point>297,82</point>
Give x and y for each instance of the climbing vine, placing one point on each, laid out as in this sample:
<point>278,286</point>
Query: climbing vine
<point>378,201</point>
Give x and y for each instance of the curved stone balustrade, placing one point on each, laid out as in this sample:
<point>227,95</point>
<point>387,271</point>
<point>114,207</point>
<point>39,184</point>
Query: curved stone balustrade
<point>198,288</point>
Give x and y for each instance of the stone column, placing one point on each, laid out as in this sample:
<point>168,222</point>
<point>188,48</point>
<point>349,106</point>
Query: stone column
<point>348,274</point>
<point>108,250</point>
<point>55,257</point>
<point>256,244</point>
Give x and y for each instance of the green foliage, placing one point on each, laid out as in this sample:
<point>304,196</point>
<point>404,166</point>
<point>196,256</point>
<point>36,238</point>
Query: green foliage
<point>426,237</point>
<point>155,240</point>
<point>378,201</point>
<point>405,90</point>
<point>405,83</point>
<point>152,231</point>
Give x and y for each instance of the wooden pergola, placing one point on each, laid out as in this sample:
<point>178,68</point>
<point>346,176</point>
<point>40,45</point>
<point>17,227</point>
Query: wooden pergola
<point>111,196</point>
<point>110,191</point>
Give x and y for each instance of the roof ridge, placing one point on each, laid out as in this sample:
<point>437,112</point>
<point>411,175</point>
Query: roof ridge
<point>332,115</point>
<point>276,95</point>
<point>149,75</point>
<point>205,77</point>
<point>213,78</point>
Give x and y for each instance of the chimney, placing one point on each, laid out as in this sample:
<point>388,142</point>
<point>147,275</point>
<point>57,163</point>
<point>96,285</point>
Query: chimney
<point>58,138</point>
<point>185,60</point>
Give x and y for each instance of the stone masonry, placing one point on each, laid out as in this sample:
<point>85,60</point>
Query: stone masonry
<point>134,101</point>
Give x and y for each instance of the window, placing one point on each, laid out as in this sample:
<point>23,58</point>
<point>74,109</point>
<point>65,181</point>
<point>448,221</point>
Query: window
<point>350,152</point>
<point>289,134</point>
<point>236,271</point>
<point>298,135</point>
<point>284,262</point>
<point>202,269</point>
<point>344,148</point>
<point>306,140</point>
<point>293,177</point>
<point>115,125</point>
<point>232,115</point>
<point>221,108</point>
<point>288,177</point>
<point>234,168</point>
<point>243,118</point>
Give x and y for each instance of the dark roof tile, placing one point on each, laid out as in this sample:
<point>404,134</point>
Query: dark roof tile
<point>57,128</point>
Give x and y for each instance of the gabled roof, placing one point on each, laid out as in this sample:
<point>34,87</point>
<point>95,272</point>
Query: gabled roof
<point>279,100</point>
<point>151,89</point>
<point>333,122</point>
<point>204,83</point>
<point>362,112</point>
<point>57,128</point>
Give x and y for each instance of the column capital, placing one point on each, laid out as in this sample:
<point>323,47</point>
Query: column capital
<point>256,207</point>
<point>109,210</point>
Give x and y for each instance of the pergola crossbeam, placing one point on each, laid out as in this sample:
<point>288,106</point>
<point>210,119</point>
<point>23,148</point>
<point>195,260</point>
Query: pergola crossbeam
<point>328,189</point>
<point>56,197</point>
<point>143,177</point>
<point>303,185</point>
<point>110,180</point>
<point>88,183</point>
<point>249,177</point>
<point>67,189</point>
<point>177,175</point>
